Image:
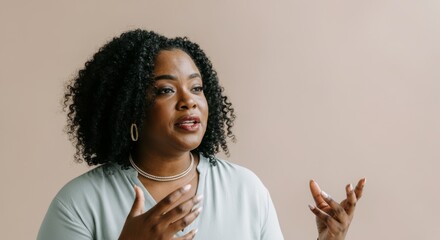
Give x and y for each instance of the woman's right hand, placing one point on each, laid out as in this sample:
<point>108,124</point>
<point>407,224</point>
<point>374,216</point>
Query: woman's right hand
<point>161,222</point>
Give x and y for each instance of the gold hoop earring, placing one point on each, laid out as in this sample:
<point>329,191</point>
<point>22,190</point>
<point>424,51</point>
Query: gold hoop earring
<point>134,132</point>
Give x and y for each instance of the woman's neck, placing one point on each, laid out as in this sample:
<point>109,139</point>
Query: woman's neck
<point>161,164</point>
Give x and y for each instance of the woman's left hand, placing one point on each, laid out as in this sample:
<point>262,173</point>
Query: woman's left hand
<point>333,219</point>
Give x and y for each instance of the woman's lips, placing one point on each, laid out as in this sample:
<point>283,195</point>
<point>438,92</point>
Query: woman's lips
<point>188,123</point>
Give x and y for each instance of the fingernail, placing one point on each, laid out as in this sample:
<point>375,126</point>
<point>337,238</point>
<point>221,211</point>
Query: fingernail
<point>199,198</point>
<point>325,195</point>
<point>187,187</point>
<point>350,187</point>
<point>199,210</point>
<point>197,205</point>
<point>365,180</point>
<point>311,207</point>
<point>196,230</point>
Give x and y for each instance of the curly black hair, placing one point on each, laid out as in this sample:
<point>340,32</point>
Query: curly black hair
<point>109,94</point>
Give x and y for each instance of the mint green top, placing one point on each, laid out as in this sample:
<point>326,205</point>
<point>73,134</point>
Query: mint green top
<point>95,205</point>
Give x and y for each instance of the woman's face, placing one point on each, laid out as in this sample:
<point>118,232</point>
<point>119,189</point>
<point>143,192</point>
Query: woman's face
<point>178,118</point>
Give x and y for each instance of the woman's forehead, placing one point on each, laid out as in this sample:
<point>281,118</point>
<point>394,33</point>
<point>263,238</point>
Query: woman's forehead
<point>174,61</point>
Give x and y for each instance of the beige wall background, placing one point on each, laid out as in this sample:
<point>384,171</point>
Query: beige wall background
<point>329,90</point>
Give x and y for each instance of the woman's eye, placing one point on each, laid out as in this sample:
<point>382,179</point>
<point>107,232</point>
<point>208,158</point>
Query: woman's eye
<point>198,89</point>
<point>164,91</point>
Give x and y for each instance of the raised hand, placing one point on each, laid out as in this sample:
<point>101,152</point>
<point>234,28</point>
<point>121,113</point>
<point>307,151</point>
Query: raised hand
<point>333,219</point>
<point>161,222</point>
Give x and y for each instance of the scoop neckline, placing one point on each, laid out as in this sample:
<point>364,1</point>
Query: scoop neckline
<point>149,200</point>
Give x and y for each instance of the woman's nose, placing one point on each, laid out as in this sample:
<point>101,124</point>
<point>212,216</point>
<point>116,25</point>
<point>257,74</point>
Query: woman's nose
<point>186,101</point>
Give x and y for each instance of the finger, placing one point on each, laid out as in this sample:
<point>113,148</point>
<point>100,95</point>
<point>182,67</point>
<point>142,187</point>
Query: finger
<point>169,200</point>
<point>138,204</point>
<point>186,220</point>
<point>181,210</point>
<point>360,187</point>
<point>188,236</point>
<point>316,193</point>
<point>333,226</point>
<point>350,203</point>
<point>339,211</point>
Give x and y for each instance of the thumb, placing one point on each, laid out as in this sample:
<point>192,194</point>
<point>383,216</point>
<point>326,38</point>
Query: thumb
<point>138,204</point>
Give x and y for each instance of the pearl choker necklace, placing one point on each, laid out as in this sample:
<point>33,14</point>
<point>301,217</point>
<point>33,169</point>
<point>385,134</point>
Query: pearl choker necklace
<point>160,178</point>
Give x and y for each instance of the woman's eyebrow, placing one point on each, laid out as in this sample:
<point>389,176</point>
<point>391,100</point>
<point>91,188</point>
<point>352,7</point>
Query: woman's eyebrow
<point>194,75</point>
<point>168,77</point>
<point>171,77</point>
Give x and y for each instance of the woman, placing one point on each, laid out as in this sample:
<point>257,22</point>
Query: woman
<point>150,111</point>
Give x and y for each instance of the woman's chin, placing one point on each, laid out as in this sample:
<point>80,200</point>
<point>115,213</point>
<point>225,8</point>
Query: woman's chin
<point>189,144</point>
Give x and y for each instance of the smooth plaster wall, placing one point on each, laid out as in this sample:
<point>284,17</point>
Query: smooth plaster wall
<point>329,90</point>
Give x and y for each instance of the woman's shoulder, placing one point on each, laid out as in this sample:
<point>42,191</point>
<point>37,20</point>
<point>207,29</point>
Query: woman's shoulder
<point>101,196</point>
<point>91,183</point>
<point>233,174</point>
<point>234,168</point>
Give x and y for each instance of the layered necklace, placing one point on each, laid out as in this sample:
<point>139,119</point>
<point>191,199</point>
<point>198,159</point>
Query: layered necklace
<point>163,178</point>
